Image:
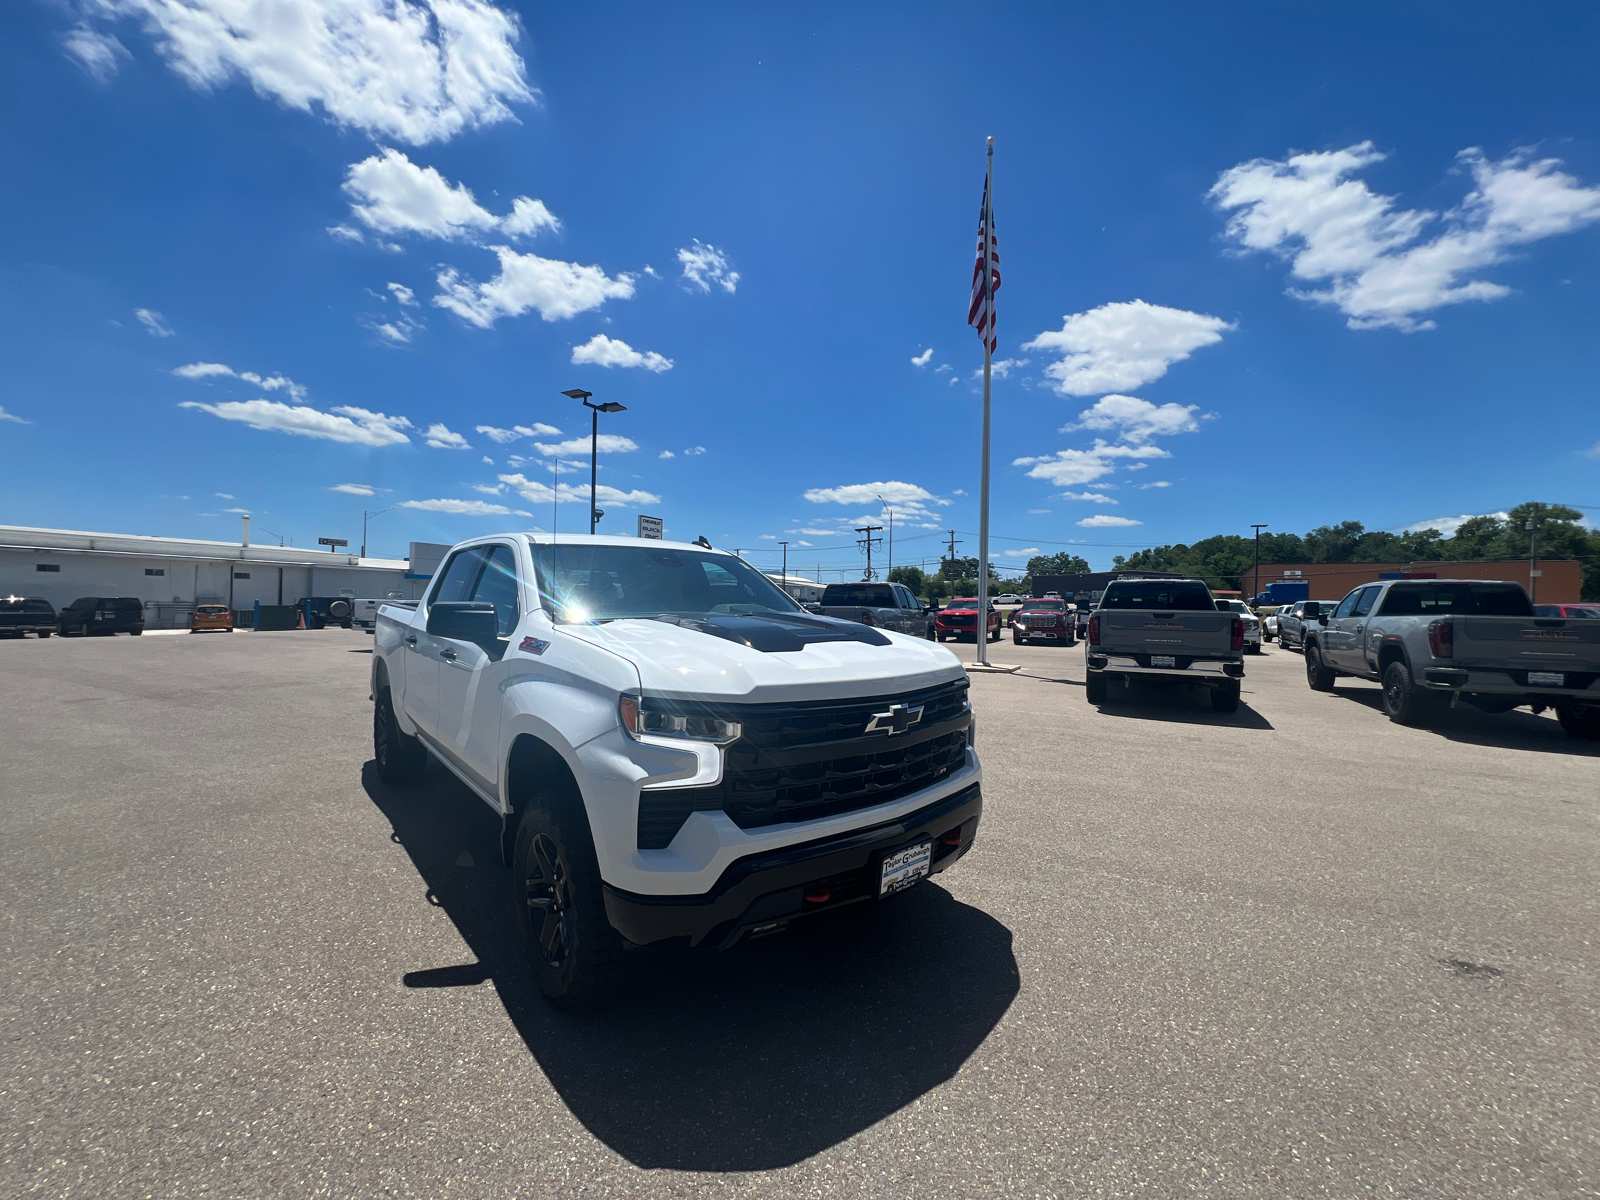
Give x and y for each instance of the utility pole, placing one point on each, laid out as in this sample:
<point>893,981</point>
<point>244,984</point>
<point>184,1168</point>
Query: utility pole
<point>1256,589</point>
<point>785,575</point>
<point>953,544</point>
<point>866,543</point>
<point>886,505</point>
<point>1532,526</point>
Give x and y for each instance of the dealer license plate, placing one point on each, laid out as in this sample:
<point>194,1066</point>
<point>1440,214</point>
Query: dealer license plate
<point>904,867</point>
<point>1163,660</point>
<point>1546,679</point>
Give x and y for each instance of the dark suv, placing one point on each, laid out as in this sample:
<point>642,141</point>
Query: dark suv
<point>21,615</point>
<point>102,616</point>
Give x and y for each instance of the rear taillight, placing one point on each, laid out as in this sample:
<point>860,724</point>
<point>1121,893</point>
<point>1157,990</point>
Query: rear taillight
<point>1094,629</point>
<point>1238,634</point>
<point>1442,639</point>
<point>866,618</point>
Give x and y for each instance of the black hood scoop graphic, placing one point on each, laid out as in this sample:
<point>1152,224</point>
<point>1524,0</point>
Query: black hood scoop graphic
<point>779,633</point>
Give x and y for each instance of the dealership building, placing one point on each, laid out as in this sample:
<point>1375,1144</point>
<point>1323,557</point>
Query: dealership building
<point>171,575</point>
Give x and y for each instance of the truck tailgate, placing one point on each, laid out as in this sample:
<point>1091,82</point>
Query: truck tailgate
<point>1528,643</point>
<point>1189,634</point>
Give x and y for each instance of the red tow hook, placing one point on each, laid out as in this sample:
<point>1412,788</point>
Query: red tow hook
<point>953,838</point>
<point>818,895</point>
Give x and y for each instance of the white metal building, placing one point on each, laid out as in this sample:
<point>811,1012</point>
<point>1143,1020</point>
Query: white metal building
<point>170,575</point>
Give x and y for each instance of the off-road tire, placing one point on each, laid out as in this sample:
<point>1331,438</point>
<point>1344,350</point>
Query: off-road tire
<point>1225,697</point>
<point>400,759</point>
<point>1095,688</point>
<point>1579,722</point>
<point>573,951</point>
<point>1318,677</point>
<point>1403,701</point>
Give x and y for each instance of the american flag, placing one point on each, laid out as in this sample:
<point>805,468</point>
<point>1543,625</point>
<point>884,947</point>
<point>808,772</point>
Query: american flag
<point>981,315</point>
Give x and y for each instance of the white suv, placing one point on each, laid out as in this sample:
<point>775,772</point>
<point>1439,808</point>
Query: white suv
<point>677,750</point>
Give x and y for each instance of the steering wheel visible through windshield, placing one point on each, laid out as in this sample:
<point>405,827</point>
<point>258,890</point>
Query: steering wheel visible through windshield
<point>582,582</point>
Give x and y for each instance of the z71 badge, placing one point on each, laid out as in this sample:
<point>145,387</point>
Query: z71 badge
<point>533,645</point>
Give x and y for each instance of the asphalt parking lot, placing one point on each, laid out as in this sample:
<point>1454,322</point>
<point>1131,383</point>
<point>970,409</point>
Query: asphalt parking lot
<point>1291,951</point>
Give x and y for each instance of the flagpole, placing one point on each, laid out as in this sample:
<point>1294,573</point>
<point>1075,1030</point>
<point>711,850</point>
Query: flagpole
<point>983,487</point>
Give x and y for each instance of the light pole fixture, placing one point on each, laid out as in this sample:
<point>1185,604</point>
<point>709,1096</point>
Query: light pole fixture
<point>594,444</point>
<point>365,517</point>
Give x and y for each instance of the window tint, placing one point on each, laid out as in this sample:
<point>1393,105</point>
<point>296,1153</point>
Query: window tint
<point>1348,603</point>
<point>459,577</point>
<point>498,586</point>
<point>1029,606</point>
<point>868,595</point>
<point>1365,601</point>
<point>1466,599</point>
<point>599,583</point>
<point>1173,595</point>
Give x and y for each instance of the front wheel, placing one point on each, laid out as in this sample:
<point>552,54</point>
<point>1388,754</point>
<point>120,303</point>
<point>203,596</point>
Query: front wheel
<point>1017,641</point>
<point>1319,677</point>
<point>1579,722</point>
<point>1403,701</point>
<point>572,949</point>
<point>1094,689</point>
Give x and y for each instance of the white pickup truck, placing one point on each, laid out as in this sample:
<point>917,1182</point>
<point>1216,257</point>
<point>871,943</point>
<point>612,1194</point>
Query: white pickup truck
<point>677,750</point>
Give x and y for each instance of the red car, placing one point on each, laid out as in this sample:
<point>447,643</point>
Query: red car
<point>1579,611</point>
<point>959,619</point>
<point>1045,621</point>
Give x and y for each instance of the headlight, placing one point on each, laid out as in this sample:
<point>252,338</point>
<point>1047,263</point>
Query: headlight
<point>662,718</point>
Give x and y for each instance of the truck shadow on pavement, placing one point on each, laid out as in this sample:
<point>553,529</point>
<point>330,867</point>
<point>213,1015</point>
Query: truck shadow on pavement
<point>1190,706</point>
<point>747,1060</point>
<point>1515,730</point>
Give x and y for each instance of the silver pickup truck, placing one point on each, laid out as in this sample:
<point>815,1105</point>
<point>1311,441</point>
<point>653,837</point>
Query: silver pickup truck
<point>882,605</point>
<point>1166,629</point>
<point>1436,641</point>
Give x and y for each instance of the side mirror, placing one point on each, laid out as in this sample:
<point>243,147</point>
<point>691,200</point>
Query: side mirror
<point>464,621</point>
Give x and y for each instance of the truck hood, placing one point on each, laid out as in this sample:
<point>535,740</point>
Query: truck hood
<point>683,662</point>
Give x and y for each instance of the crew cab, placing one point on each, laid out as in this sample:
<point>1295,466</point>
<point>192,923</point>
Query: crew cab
<point>959,619</point>
<point>885,605</point>
<point>677,751</point>
<point>1295,621</point>
<point>1168,630</point>
<point>1436,641</point>
<point>1045,620</point>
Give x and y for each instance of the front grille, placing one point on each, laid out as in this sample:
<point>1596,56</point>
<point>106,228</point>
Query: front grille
<point>799,762</point>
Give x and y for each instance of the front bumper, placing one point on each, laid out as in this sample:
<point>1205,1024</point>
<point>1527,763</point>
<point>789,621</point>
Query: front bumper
<point>761,893</point>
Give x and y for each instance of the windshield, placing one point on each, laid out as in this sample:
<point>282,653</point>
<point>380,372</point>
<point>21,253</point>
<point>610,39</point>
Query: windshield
<point>581,582</point>
<point>962,605</point>
<point>1044,606</point>
<point>872,595</point>
<point>1174,595</point>
<point>1465,599</point>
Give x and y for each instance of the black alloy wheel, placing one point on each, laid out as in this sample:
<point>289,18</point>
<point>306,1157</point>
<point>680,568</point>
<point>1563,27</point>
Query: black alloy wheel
<point>545,891</point>
<point>400,759</point>
<point>571,947</point>
<point>1403,701</point>
<point>1319,677</point>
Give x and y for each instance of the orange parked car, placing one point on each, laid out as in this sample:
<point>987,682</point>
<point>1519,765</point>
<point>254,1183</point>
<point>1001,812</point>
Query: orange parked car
<point>211,616</point>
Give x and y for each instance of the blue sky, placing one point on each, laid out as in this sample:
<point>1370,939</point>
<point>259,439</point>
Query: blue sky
<point>1282,263</point>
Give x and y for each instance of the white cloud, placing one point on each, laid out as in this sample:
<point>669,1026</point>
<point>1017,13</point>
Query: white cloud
<point>1157,483</point>
<point>704,265</point>
<point>1067,468</point>
<point>269,383</point>
<point>1031,550</point>
<point>98,53</point>
<point>354,489</point>
<point>921,360</point>
<point>202,370</point>
<point>1136,420</point>
<point>611,352</point>
<point>606,443</point>
<point>393,195</point>
<point>1104,521</point>
<point>666,454</point>
<point>154,323</point>
<point>536,492</point>
<point>346,233</point>
<point>489,489</point>
<point>397,333</point>
<point>441,438</point>
<point>1449,525</point>
<point>346,424</point>
<point>488,460</point>
<point>1091,497</point>
<point>537,429</point>
<point>223,495</point>
<point>10,416</point>
<point>694,451</point>
<point>1038,511</point>
<point>557,290</point>
<point>417,70</point>
<point>1378,268</point>
<point>464,508</point>
<point>404,295</point>
<point>245,512</point>
<point>1123,345</point>
<point>892,491</point>
<point>1002,368</point>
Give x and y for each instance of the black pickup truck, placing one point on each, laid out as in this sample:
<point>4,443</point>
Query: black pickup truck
<point>884,605</point>
<point>22,615</point>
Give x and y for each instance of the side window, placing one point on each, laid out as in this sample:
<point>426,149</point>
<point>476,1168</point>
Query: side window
<point>459,577</point>
<point>1365,601</point>
<point>498,586</point>
<point>1345,605</point>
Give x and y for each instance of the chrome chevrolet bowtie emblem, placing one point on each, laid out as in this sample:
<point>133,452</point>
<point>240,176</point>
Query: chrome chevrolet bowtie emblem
<point>898,719</point>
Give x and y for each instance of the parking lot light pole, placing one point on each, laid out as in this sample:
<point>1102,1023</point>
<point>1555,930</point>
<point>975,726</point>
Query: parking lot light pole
<point>785,576</point>
<point>1255,590</point>
<point>594,444</point>
<point>365,517</point>
<point>891,532</point>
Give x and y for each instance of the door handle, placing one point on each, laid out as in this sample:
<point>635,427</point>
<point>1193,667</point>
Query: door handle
<point>411,639</point>
<point>449,655</point>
